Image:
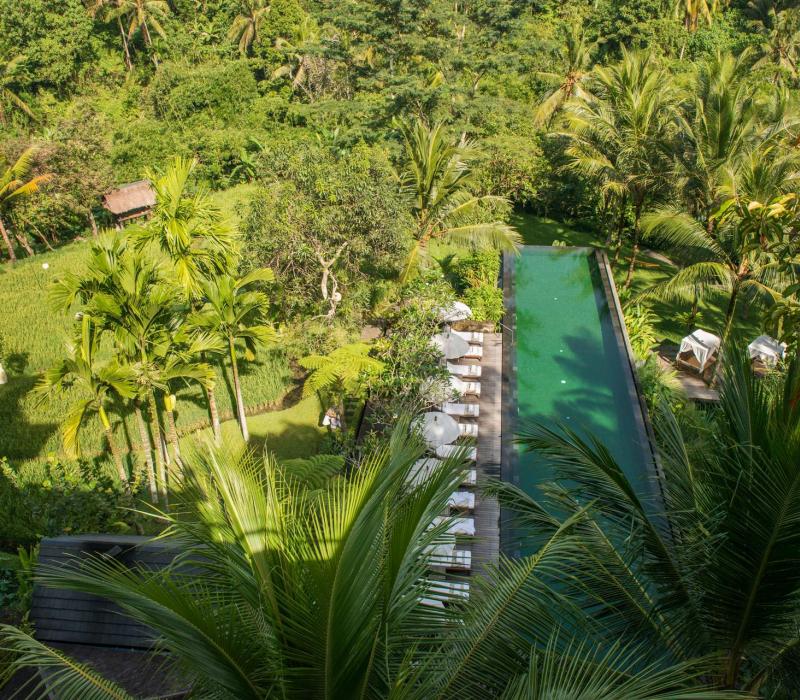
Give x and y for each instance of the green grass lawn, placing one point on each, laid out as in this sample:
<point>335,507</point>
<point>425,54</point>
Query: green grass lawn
<point>293,432</point>
<point>34,338</point>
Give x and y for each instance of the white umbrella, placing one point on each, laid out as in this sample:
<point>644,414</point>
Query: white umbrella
<point>437,428</point>
<point>457,311</point>
<point>451,345</point>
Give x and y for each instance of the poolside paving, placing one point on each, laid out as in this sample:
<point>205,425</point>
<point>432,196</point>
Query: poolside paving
<point>486,547</point>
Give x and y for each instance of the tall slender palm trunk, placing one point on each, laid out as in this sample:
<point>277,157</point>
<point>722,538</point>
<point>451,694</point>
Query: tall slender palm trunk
<point>126,48</point>
<point>115,454</point>
<point>147,448</point>
<point>237,388</point>
<point>7,240</point>
<point>161,470</point>
<point>636,238</point>
<point>214,411</point>
<point>173,437</point>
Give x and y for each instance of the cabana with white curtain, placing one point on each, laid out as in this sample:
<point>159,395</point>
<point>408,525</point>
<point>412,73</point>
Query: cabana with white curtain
<point>766,350</point>
<point>698,350</point>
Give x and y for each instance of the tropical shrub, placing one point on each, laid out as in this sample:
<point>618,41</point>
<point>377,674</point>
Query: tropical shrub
<point>486,302</point>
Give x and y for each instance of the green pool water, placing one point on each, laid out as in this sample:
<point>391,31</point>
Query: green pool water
<point>569,364</point>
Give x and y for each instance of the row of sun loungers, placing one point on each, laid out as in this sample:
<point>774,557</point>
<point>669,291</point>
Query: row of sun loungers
<point>445,556</point>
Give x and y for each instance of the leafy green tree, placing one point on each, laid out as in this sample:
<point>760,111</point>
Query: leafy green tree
<point>17,184</point>
<point>247,24</point>
<point>437,177</point>
<point>710,565</point>
<point>9,97</point>
<point>107,11</point>
<point>98,383</point>
<point>326,593</point>
<point>621,133</point>
<point>236,311</point>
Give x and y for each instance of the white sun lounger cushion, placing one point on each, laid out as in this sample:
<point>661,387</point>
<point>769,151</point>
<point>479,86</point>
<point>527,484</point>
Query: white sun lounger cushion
<point>461,409</point>
<point>445,451</point>
<point>468,429</point>
<point>456,526</point>
<point>470,336</point>
<point>449,589</point>
<point>463,500</point>
<point>454,559</point>
<point>475,351</point>
<point>432,602</point>
<point>473,371</point>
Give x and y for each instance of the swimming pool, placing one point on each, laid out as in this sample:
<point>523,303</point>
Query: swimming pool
<point>567,361</point>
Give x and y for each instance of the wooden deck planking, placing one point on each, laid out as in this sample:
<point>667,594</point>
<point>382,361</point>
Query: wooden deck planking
<point>486,547</point>
<point>696,389</point>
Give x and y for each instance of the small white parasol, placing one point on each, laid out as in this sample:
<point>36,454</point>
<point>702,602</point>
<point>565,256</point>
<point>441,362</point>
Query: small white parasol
<point>437,428</point>
<point>457,311</point>
<point>451,345</point>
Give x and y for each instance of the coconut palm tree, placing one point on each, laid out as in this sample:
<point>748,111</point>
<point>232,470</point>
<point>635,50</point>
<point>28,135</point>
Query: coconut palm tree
<point>298,57</point>
<point>237,311</point>
<point>312,592</point>
<point>708,564</point>
<point>246,25</point>
<point>575,58</point>
<point>106,10</point>
<point>740,255</point>
<point>620,134</point>
<point>9,97</point>
<point>15,185</point>
<point>142,17</point>
<point>96,381</point>
<point>692,11</point>
<point>438,178</point>
<point>780,29</point>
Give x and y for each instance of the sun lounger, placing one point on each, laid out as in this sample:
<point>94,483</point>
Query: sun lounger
<point>452,559</point>
<point>449,589</point>
<point>456,526</point>
<point>462,500</point>
<point>465,388</point>
<point>471,410</point>
<point>445,451</point>
<point>423,469</point>
<point>475,352</point>
<point>475,337</point>
<point>468,429</point>
<point>431,602</point>
<point>472,371</point>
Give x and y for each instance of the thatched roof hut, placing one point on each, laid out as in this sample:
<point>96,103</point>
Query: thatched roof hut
<point>130,201</point>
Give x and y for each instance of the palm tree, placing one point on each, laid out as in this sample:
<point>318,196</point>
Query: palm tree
<point>736,257</point>
<point>722,128</point>
<point>692,11</point>
<point>711,565</point>
<point>96,381</point>
<point>9,68</point>
<point>189,230</point>
<point>781,32</point>
<point>438,178</point>
<point>235,311</point>
<point>15,185</point>
<point>326,592</point>
<point>575,57</point>
<point>142,16</point>
<point>620,133</point>
<point>298,55</point>
<point>246,25</point>
<point>107,10</point>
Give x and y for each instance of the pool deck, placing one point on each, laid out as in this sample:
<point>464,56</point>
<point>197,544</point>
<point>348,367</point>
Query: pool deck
<point>696,389</point>
<point>486,548</point>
